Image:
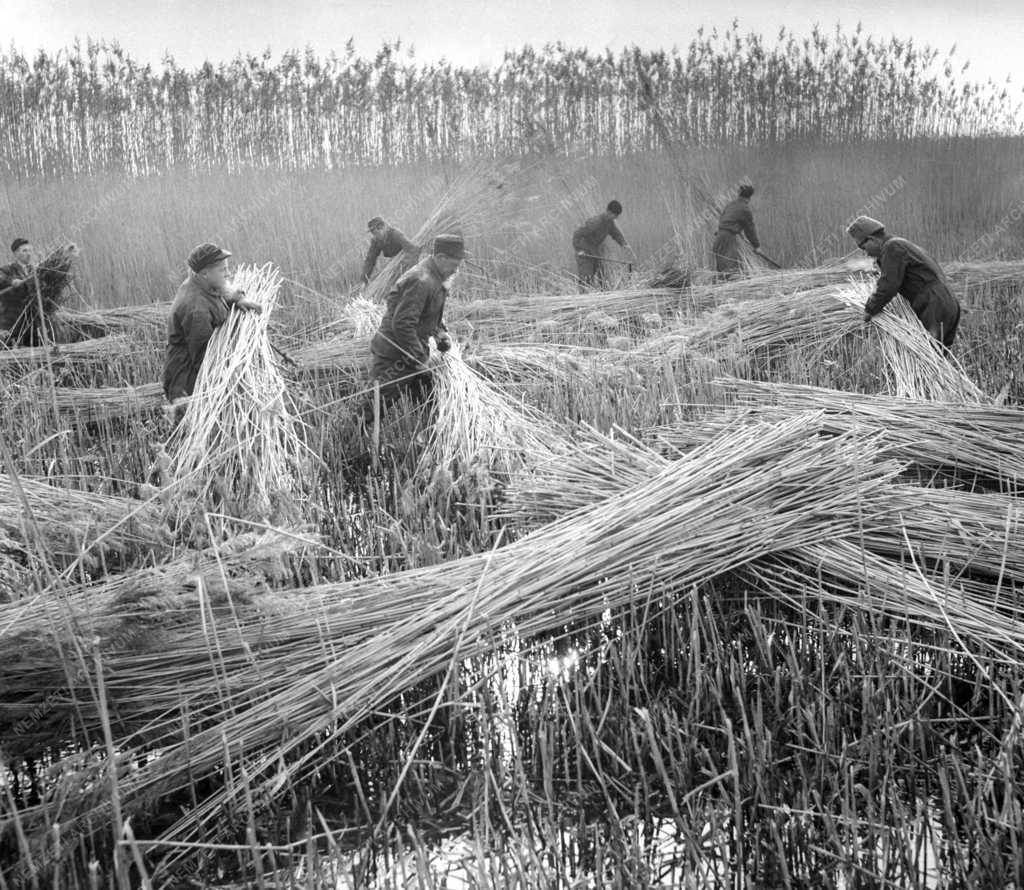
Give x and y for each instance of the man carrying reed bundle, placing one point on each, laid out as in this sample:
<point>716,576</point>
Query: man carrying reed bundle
<point>387,241</point>
<point>11,275</point>
<point>202,304</point>
<point>906,269</point>
<point>414,314</point>
<point>735,219</point>
<point>588,239</point>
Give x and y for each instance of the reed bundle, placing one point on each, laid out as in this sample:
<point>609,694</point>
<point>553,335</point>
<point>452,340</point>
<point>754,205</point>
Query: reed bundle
<point>62,526</point>
<point>915,366</point>
<point>335,654</point>
<point>476,201</point>
<point>150,318</point>
<point>478,428</point>
<point>102,350</point>
<point>103,402</point>
<point>239,448</point>
<point>942,557</point>
<point>966,443</point>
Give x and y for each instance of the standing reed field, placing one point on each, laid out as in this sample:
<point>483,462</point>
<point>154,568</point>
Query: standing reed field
<point>93,107</point>
<point>702,585</point>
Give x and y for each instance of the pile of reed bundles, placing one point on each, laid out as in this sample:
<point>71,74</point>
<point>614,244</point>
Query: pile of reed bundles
<point>240,449</point>
<point>825,516</point>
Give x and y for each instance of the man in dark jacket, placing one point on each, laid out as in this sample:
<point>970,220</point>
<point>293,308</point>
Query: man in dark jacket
<point>387,241</point>
<point>414,314</point>
<point>11,275</point>
<point>737,218</point>
<point>587,241</point>
<point>906,269</point>
<point>201,305</point>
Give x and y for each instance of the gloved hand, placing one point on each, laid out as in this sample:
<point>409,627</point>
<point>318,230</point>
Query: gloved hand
<point>867,316</point>
<point>444,342</point>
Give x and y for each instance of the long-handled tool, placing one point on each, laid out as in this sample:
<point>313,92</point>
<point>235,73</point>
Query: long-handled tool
<point>767,258</point>
<point>604,259</point>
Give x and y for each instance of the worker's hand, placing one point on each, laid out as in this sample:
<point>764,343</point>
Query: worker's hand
<point>249,306</point>
<point>16,281</point>
<point>581,253</point>
<point>867,316</point>
<point>444,342</point>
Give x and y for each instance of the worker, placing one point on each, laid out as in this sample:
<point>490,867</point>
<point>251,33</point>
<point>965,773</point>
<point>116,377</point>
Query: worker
<point>201,305</point>
<point>22,268</point>
<point>414,314</point>
<point>906,269</point>
<point>587,241</point>
<point>735,219</point>
<point>11,275</point>
<point>386,240</point>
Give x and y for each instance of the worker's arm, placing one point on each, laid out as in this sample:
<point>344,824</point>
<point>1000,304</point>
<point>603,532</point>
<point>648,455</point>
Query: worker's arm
<point>750,230</point>
<point>579,240</point>
<point>198,330</point>
<point>441,336</point>
<point>617,235</point>
<point>406,319</point>
<point>893,266</point>
<point>371,261</point>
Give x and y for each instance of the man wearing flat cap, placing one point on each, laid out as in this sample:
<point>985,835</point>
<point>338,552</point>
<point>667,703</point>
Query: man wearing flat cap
<point>22,268</point>
<point>906,269</point>
<point>11,275</point>
<point>201,305</point>
<point>587,242</point>
<point>414,314</point>
<point>387,241</point>
<point>735,219</point>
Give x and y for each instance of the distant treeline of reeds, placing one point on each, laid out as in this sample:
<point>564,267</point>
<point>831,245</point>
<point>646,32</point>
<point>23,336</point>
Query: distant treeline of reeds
<point>93,107</point>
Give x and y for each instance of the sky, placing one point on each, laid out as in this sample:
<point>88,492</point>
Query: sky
<point>470,32</point>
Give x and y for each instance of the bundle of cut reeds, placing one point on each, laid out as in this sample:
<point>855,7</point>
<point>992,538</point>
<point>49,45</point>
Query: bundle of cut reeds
<point>476,201</point>
<point>64,526</point>
<point>150,318</point>
<point>102,350</point>
<point>915,365</point>
<point>239,449</point>
<point>967,443</point>
<point>477,427</point>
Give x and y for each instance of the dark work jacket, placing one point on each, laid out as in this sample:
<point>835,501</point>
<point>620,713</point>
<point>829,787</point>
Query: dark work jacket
<point>738,217</point>
<point>414,314</point>
<point>196,312</point>
<point>590,236</point>
<point>394,243</point>
<point>906,269</point>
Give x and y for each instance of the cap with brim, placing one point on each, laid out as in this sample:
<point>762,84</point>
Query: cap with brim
<point>451,245</point>
<point>376,221</point>
<point>19,242</point>
<point>864,227</point>
<point>206,255</point>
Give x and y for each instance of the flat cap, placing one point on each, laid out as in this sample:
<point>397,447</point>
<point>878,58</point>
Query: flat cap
<point>450,245</point>
<point>376,221</point>
<point>206,255</point>
<point>863,227</point>
<point>18,242</point>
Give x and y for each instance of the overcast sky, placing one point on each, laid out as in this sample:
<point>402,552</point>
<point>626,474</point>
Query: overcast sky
<point>989,32</point>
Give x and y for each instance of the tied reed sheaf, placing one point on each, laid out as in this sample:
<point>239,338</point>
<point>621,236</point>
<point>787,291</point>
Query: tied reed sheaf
<point>240,448</point>
<point>809,322</point>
